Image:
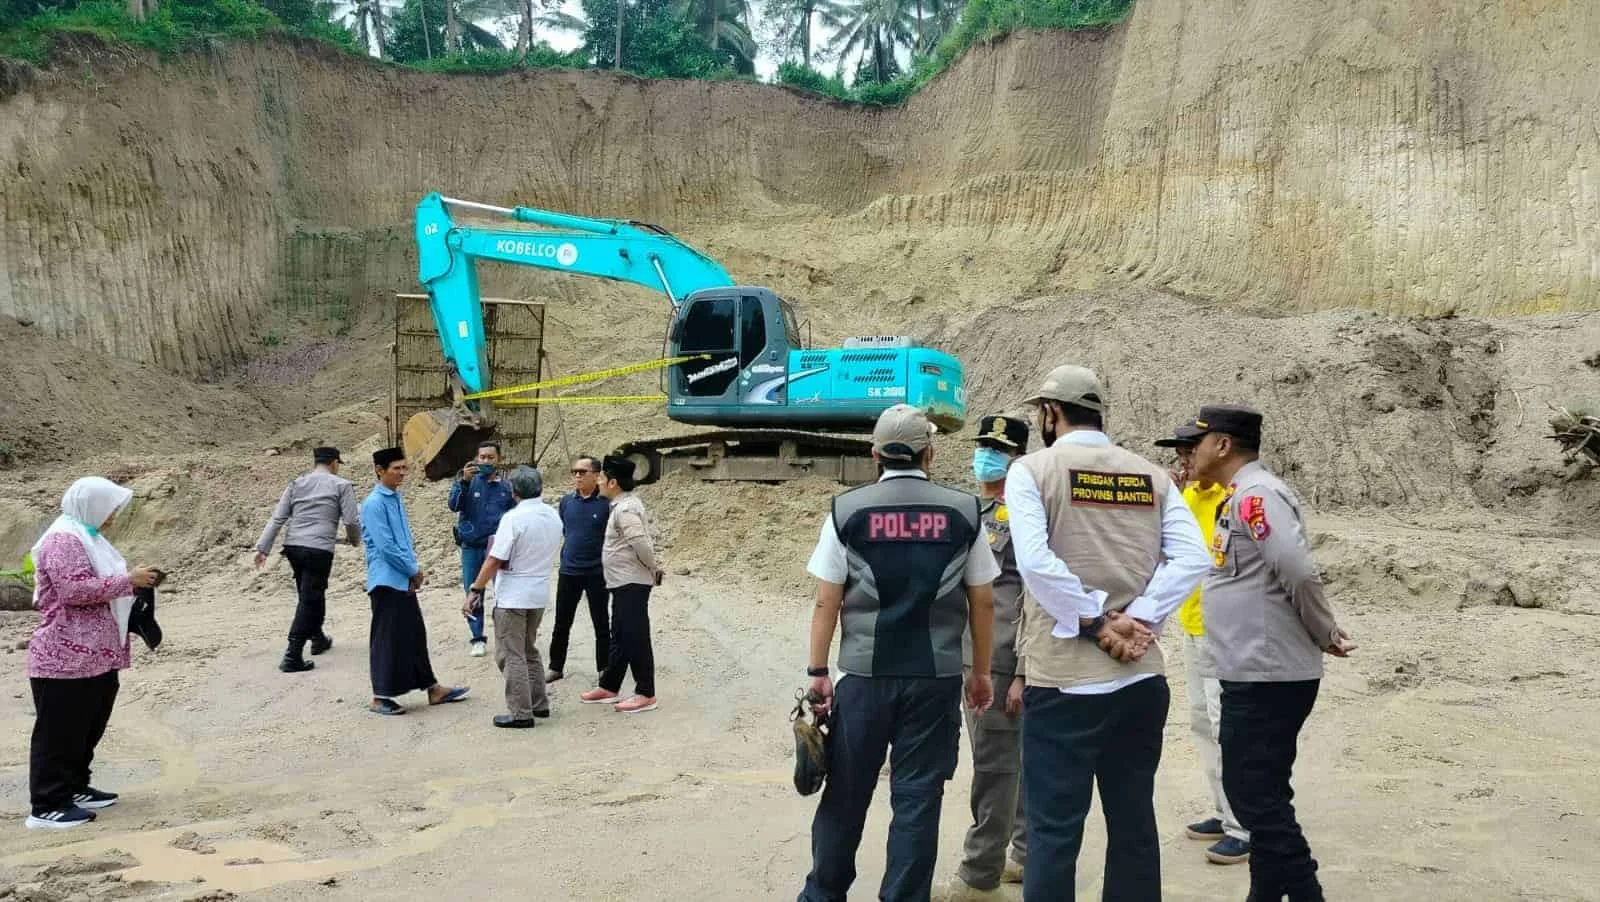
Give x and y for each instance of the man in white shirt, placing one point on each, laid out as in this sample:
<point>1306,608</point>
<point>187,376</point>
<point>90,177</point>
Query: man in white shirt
<point>521,558</point>
<point>1107,549</point>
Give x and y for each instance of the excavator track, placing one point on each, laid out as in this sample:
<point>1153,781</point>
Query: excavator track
<point>753,455</point>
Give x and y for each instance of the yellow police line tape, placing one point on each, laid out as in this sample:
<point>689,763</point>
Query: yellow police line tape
<point>583,377</point>
<point>579,399</point>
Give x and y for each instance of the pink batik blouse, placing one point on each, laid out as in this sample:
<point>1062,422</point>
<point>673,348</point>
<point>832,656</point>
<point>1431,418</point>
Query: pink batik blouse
<point>77,637</point>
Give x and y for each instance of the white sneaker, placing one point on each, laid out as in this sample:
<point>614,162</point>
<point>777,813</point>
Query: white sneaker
<point>478,650</point>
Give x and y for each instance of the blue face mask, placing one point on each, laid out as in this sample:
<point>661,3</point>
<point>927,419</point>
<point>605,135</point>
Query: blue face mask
<point>485,470</point>
<point>990,465</point>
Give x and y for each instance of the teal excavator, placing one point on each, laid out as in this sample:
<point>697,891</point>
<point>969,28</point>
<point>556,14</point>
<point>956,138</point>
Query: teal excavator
<point>741,363</point>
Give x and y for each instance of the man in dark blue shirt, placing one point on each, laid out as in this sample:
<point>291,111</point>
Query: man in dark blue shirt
<point>479,498</point>
<point>583,525</point>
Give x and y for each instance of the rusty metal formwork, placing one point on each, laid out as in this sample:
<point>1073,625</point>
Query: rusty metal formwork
<point>515,329</point>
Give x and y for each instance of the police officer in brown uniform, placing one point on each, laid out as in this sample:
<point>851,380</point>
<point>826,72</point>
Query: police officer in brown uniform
<point>996,735</point>
<point>1104,542</point>
<point>1269,625</point>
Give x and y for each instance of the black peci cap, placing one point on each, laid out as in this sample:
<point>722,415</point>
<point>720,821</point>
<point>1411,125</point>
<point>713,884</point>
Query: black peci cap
<point>326,455</point>
<point>1007,432</point>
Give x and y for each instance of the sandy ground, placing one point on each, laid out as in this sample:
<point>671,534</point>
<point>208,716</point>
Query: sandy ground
<point>1451,758</point>
<point>1445,760</point>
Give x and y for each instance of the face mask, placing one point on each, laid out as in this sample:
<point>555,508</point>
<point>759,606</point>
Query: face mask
<point>485,470</point>
<point>990,465</point>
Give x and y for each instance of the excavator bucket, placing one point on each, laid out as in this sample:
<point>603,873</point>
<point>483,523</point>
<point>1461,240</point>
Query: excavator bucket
<point>443,441</point>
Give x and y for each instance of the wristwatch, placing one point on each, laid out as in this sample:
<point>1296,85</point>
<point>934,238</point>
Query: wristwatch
<point>817,671</point>
<point>1092,630</point>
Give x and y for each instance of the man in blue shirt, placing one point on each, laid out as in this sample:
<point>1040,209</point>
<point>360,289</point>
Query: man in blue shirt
<point>479,498</point>
<point>398,643</point>
<point>584,512</point>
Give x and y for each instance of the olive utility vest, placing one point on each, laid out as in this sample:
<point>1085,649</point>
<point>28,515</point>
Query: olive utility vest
<point>906,541</point>
<point>1103,506</point>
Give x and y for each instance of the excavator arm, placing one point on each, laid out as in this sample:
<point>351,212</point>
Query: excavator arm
<point>618,250</point>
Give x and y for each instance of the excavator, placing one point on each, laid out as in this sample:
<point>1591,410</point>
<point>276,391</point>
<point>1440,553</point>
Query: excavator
<point>737,360</point>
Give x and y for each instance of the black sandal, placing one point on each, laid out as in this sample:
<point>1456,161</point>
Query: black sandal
<point>385,706</point>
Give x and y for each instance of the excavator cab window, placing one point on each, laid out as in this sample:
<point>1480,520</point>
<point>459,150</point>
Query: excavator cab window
<point>752,330</point>
<point>709,328</point>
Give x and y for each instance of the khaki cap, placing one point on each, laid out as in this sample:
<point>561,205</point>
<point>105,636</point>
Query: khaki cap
<point>1074,385</point>
<point>901,433</point>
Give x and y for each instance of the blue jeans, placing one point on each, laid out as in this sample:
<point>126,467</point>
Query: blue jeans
<point>472,558</point>
<point>920,720</point>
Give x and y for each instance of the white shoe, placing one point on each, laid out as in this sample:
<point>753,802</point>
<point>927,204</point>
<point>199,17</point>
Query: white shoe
<point>478,649</point>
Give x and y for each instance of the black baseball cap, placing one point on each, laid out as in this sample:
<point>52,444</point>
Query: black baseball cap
<point>1007,432</point>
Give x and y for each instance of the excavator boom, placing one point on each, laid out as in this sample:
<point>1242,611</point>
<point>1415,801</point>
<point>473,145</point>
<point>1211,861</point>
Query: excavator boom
<point>604,248</point>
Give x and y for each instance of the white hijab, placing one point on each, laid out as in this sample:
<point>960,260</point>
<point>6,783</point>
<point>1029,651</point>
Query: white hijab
<point>86,506</point>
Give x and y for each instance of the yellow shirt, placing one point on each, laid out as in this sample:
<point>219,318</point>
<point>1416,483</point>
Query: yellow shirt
<point>1203,503</point>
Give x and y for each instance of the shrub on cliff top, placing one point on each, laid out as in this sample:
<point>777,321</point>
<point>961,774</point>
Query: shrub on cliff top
<point>175,25</point>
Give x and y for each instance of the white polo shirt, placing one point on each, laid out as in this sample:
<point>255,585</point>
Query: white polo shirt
<point>529,541</point>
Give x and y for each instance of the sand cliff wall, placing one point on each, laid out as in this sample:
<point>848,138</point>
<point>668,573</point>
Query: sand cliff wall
<point>1409,156</point>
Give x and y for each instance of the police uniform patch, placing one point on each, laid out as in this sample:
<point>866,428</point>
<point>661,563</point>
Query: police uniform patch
<point>1254,513</point>
<point>1223,531</point>
<point>1099,489</point>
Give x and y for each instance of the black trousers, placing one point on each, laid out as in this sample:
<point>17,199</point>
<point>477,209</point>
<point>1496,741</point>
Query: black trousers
<point>1113,740</point>
<point>630,641</point>
<point>311,568</point>
<point>917,723</point>
<point>569,586</point>
<point>71,717</point>
<point>1259,732</point>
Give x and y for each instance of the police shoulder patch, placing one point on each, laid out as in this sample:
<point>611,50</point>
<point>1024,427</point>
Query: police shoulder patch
<point>1253,511</point>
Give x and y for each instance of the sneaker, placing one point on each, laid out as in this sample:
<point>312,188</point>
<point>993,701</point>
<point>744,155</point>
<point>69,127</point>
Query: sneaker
<point>321,644</point>
<point>598,696</point>
<point>1210,828</point>
<point>1012,873</point>
<point>94,798</point>
<point>637,704</point>
<point>296,665</point>
<point>478,648</point>
<point>1229,850</point>
<point>61,819</point>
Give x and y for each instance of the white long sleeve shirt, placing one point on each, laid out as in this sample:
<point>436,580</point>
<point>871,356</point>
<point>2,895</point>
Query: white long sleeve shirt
<point>1063,595</point>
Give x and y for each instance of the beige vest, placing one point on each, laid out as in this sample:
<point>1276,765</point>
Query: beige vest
<point>1103,506</point>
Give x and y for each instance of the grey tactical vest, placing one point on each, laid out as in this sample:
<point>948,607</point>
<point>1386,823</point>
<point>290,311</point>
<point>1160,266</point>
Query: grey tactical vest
<point>905,601</point>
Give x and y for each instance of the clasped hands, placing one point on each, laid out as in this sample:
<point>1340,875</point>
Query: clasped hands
<point>1124,638</point>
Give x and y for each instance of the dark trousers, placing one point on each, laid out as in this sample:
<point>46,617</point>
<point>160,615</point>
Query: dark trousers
<point>630,641</point>
<point>1113,740</point>
<point>311,567</point>
<point>917,723</point>
<point>71,716</point>
<point>569,586</point>
<point>1260,728</point>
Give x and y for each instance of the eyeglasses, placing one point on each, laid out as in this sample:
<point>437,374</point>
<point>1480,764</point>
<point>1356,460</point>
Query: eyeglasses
<point>582,472</point>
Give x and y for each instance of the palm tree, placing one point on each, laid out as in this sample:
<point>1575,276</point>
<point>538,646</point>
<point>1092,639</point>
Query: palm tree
<point>552,17</point>
<point>721,22</point>
<point>367,18</point>
<point>461,29</point>
<point>793,18</point>
<point>863,28</point>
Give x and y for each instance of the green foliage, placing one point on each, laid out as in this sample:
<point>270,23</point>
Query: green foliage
<point>489,62</point>
<point>795,75</point>
<point>176,25</point>
<point>656,43</point>
<point>983,20</point>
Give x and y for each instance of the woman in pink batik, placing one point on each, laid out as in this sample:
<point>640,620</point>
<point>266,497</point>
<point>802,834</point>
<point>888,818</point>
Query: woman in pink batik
<point>84,592</point>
